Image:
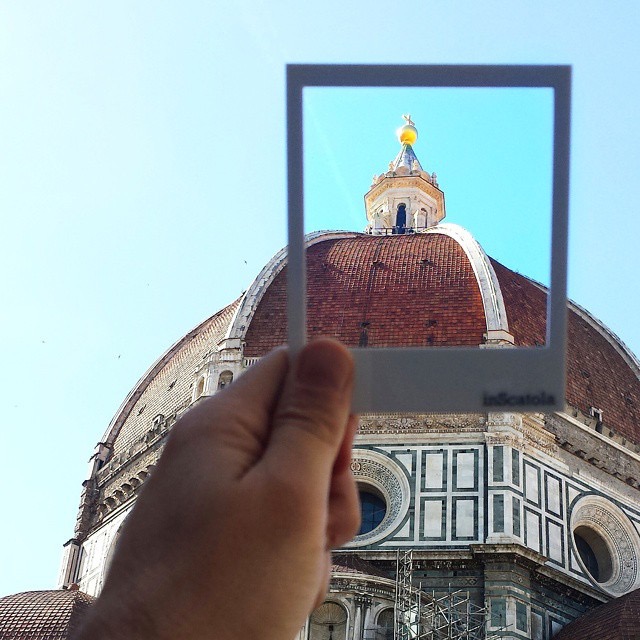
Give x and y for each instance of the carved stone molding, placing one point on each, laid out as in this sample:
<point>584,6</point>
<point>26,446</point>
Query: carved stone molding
<point>373,469</point>
<point>520,431</point>
<point>397,423</point>
<point>614,529</point>
<point>125,485</point>
<point>537,435</point>
<point>504,438</point>
<point>501,419</point>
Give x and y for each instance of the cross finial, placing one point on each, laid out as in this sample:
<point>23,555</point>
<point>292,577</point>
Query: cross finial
<point>408,120</point>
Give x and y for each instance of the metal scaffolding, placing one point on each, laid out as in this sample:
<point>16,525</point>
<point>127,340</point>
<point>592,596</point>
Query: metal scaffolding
<point>420,615</point>
<point>453,616</point>
<point>407,606</point>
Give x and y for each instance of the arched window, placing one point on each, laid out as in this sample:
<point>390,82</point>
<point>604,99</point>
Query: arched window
<point>401,218</point>
<point>225,379</point>
<point>110,551</point>
<point>384,625</point>
<point>328,622</point>
<point>199,388</point>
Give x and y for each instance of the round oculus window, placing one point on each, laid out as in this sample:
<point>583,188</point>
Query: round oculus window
<point>606,543</point>
<point>328,622</point>
<point>594,553</point>
<point>384,495</point>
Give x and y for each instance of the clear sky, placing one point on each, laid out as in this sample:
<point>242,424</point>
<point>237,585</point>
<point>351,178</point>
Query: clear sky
<point>142,186</point>
<point>490,148</point>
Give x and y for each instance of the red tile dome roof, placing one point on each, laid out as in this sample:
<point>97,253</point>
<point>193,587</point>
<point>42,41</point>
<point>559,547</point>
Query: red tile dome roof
<point>601,373</point>
<point>421,290</point>
<point>42,615</point>
<point>618,619</point>
<point>165,387</point>
<point>399,290</point>
<point>351,563</point>
<point>405,290</point>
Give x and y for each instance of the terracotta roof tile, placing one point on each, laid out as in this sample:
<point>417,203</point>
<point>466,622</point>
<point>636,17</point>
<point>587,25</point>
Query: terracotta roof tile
<point>419,290</point>
<point>416,290</point>
<point>353,563</point>
<point>42,615</point>
<point>597,374</point>
<point>167,388</point>
<point>618,619</point>
<point>526,306</point>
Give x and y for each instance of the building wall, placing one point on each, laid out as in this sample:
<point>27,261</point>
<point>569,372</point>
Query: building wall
<point>97,551</point>
<point>497,480</point>
<point>488,504</point>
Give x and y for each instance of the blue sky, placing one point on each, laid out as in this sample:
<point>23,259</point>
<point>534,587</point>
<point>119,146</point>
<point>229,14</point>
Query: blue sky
<point>142,186</point>
<point>490,148</point>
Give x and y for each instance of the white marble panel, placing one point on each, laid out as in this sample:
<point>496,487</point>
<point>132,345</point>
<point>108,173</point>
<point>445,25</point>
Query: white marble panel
<point>433,514</point>
<point>465,471</point>
<point>555,542</point>
<point>533,531</point>
<point>464,518</point>
<point>405,532</point>
<point>573,562</point>
<point>572,494</point>
<point>553,494</point>
<point>96,554</point>
<point>406,460</point>
<point>532,484</point>
<point>434,463</point>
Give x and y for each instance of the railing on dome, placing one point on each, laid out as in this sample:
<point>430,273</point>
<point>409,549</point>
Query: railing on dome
<point>395,231</point>
<point>247,362</point>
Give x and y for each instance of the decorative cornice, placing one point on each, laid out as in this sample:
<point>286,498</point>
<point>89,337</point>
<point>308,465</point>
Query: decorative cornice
<point>416,423</point>
<point>515,554</point>
<point>391,181</point>
<point>520,431</point>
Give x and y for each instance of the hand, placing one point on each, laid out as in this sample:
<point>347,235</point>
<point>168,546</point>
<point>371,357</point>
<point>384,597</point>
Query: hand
<point>231,537</point>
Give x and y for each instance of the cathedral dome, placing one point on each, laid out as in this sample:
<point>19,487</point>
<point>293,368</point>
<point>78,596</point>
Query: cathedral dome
<point>425,289</point>
<point>557,493</point>
<point>440,289</point>
<point>409,280</point>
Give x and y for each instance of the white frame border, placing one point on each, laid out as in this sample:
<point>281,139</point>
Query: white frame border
<point>453,378</point>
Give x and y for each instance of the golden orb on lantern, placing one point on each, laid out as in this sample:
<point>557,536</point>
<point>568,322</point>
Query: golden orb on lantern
<point>407,133</point>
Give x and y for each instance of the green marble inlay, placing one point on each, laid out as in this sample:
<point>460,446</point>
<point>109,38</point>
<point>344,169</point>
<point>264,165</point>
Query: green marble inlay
<point>498,513</point>
<point>521,616</point>
<point>498,612</point>
<point>498,464</point>
<point>516,516</point>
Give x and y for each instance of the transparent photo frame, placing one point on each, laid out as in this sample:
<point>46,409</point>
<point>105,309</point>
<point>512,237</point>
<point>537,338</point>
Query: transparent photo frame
<point>448,379</point>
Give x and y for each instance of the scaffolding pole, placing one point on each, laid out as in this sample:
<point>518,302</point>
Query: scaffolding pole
<point>404,596</point>
<point>427,616</point>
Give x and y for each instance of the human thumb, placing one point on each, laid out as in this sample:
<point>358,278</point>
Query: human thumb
<point>310,420</point>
